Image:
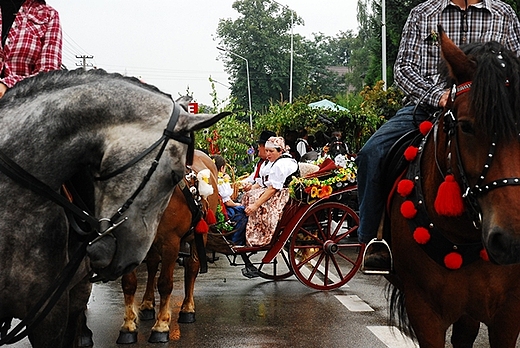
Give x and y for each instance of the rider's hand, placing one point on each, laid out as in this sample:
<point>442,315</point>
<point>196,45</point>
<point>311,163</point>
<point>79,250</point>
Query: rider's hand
<point>444,98</point>
<point>3,88</point>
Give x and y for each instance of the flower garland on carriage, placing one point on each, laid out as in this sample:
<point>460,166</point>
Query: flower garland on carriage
<point>331,176</point>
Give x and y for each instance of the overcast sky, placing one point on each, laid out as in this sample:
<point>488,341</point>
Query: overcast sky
<point>170,44</point>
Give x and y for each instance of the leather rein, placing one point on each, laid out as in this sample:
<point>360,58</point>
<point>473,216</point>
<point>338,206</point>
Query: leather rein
<point>472,193</point>
<point>25,179</point>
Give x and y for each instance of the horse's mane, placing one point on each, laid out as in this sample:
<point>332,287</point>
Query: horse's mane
<point>60,79</point>
<point>495,90</point>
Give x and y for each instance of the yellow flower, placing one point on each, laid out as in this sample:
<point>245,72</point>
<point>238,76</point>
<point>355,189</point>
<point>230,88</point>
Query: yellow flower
<point>314,192</point>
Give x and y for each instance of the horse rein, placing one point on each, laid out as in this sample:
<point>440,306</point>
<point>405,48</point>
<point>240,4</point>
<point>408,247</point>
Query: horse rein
<point>472,193</point>
<point>25,179</point>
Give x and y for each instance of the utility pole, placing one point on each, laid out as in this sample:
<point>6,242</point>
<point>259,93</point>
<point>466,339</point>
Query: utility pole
<point>84,64</point>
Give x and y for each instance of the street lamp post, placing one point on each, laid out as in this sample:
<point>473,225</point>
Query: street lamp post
<point>383,42</point>
<point>248,83</point>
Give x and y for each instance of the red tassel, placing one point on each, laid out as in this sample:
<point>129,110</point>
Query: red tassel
<point>484,255</point>
<point>202,227</point>
<point>453,260</point>
<point>449,198</point>
<point>421,235</point>
<point>405,187</point>
<point>410,153</point>
<point>408,210</point>
<point>425,127</point>
<point>210,217</point>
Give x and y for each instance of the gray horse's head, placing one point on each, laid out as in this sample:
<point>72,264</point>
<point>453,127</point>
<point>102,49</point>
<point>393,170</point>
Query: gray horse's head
<point>126,247</point>
<point>63,122</point>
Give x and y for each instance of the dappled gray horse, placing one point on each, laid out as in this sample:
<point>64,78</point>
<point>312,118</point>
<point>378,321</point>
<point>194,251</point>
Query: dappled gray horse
<point>53,126</point>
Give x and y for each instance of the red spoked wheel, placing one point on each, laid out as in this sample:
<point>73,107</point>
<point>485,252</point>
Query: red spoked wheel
<point>279,268</point>
<point>324,251</point>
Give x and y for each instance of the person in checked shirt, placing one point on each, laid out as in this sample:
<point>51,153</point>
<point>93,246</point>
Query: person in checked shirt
<point>31,40</point>
<point>416,74</point>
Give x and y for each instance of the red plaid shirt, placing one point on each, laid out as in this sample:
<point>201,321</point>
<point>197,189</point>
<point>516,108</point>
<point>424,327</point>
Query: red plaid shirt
<point>33,45</point>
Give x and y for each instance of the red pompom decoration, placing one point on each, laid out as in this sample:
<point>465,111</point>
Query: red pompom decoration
<point>410,153</point>
<point>449,198</point>
<point>211,219</point>
<point>408,210</point>
<point>202,227</point>
<point>421,235</point>
<point>425,127</point>
<point>405,187</point>
<point>453,260</point>
<point>484,255</point>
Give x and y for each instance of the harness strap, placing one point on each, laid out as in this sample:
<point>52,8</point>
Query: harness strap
<point>25,179</point>
<point>40,310</point>
<point>196,215</point>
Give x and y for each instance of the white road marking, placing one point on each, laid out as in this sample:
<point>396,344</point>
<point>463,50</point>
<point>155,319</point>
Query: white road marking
<point>392,337</point>
<point>354,303</point>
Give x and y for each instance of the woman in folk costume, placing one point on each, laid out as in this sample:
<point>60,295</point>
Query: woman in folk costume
<point>268,196</point>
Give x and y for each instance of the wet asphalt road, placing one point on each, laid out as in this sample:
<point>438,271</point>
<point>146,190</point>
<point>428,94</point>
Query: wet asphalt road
<point>233,311</point>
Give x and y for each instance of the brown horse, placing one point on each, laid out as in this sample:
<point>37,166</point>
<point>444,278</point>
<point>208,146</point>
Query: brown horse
<point>173,229</point>
<point>443,273</point>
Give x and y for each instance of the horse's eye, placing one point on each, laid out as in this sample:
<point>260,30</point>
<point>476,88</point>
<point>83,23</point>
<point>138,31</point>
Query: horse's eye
<point>466,127</point>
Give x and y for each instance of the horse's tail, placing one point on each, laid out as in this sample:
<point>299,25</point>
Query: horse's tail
<point>397,309</point>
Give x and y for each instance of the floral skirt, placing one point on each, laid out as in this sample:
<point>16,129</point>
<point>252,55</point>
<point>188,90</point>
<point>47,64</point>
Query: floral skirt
<point>261,225</point>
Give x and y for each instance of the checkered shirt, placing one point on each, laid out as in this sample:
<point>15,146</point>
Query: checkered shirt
<point>33,44</point>
<point>416,66</point>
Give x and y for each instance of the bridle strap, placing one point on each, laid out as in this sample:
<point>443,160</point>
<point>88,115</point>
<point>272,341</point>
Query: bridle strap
<point>167,135</point>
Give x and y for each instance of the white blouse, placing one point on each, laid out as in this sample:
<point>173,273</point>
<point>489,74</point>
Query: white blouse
<point>274,174</point>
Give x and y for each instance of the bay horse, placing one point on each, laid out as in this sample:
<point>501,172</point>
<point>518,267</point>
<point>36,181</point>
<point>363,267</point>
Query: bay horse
<point>455,222</point>
<point>130,136</point>
<point>173,230</point>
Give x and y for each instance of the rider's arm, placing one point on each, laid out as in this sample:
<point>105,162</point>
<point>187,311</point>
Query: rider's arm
<point>415,70</point>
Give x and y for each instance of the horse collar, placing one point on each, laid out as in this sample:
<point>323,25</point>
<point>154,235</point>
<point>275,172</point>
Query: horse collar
<point>438,247</point>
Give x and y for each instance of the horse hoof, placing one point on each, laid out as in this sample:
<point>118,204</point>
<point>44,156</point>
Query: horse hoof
<point>126,337</point>
<point>85,342</point>
<point>186,318</point>
<point>147,314</point>
<point>159,337</point>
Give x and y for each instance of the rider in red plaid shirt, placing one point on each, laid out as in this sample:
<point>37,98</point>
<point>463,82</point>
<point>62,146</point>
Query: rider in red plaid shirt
<point>32,45</point>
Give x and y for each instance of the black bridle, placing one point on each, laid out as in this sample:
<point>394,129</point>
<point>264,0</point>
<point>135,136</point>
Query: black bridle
<point>25,179</point>
<point>472,193</point>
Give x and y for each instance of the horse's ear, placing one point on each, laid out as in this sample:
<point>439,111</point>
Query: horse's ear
<point>460,66</point>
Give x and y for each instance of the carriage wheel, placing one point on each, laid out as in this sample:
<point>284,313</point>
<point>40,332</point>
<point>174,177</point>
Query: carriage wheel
<point>278,269</point>
<point>324,251</point>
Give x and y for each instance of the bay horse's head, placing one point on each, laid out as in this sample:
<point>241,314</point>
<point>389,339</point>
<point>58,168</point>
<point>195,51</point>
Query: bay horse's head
<point>482,124</point>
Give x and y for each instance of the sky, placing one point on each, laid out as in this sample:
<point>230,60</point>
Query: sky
<point>171,44</point>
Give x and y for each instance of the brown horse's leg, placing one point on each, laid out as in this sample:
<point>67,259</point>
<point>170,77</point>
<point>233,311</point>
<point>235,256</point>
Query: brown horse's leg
<point>465,331</point>
<point>161,329</point>
<point>504,330</point>
<point>191,270</point>
<point>147,307</point>
<point>428,327</point>
<point>128,331</point>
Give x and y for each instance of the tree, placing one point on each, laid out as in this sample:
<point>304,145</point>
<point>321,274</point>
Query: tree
<point>261,34</point>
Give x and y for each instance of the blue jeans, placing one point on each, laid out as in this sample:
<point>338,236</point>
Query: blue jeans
<point>239,217</point>
<point>369,161</point>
